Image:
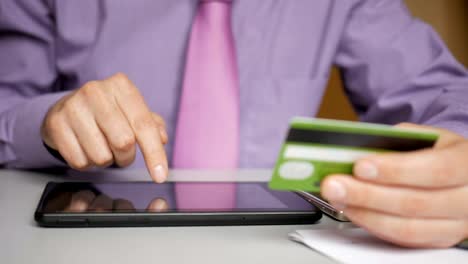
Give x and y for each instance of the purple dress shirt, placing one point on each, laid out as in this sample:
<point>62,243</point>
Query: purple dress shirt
<point>395,67</point>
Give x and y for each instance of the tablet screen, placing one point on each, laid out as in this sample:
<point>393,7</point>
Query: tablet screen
<point>168,197</point>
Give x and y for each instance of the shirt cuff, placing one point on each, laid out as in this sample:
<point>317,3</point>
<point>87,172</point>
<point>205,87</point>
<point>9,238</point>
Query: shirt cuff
<point>27,144</point>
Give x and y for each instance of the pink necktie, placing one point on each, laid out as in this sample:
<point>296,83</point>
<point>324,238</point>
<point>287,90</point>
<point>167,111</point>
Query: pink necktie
<point>207,133</point>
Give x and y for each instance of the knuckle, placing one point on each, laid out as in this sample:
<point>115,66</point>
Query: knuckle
<point>125,143</point>
<point>53,123</point>
<point>90,88</point>
<point>393,172</point>
<point>53,119</point>
<point>440,177</point>
<point>79,165</point>
<point>123,85</point>
<point>103,159</point>
<point>68,104</point>
<point>440,172</point>
<point>72,105</point>
<point>126,161</point>
<point>414,206</point>
<point>144,123</point>
<point>121,79</point>
<point>93,93</point>
<point>159,120</point>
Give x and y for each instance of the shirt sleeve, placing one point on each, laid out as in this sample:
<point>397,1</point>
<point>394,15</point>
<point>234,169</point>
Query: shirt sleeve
<point>28,82</point>
<point>397,69</point>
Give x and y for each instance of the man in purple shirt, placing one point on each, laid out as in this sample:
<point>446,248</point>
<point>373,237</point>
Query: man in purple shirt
<point>98,80</point>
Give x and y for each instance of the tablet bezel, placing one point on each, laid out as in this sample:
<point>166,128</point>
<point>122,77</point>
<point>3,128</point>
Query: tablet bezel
<point>145,219</point>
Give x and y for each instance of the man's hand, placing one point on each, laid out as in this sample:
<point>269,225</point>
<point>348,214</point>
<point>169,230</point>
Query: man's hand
<point>413,199</point>
<point>101,123</point>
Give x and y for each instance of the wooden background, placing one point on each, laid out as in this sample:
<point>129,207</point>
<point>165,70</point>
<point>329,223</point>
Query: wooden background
<point>450,20</point>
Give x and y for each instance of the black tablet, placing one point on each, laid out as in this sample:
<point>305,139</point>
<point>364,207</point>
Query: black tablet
<point>82,204</point>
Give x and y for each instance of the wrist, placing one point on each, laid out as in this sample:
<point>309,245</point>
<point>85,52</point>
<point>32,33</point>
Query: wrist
<point>27,143</point>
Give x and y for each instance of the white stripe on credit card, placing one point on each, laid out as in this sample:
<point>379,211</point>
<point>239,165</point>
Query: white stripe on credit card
<point>324,153</point>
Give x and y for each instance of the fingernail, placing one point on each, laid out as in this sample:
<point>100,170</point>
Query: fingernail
<point>160,173</point>
<point>366,170</point>
<point>334,191</point>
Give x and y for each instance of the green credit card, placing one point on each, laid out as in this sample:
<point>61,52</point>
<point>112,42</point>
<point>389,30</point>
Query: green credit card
<point>315,148</point>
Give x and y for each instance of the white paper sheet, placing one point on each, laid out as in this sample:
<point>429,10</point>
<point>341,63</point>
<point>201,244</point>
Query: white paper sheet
<point>355,245</point>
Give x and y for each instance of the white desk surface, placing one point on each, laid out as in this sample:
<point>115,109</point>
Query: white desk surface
<point>22,241</point>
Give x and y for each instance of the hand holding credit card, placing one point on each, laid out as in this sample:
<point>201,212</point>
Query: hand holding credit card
<point>315,148</point>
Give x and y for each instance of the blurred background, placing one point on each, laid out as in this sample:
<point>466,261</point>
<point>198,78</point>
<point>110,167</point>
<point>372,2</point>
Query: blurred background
<point>448,17</point>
